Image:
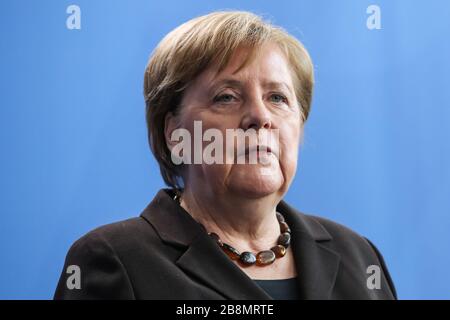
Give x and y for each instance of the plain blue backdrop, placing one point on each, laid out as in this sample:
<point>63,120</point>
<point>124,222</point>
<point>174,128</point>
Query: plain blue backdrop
<point>74,152</point>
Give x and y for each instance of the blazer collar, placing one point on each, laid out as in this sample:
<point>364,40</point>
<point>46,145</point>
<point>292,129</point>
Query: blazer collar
<point>316,264</point>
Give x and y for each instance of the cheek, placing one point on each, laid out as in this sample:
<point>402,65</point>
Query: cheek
<point>212,172</point>
<point>290,138</point>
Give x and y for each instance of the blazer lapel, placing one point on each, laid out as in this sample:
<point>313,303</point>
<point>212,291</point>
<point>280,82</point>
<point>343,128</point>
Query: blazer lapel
<point>317,265</point>
<point>202,257</point>
<point>206,261</point>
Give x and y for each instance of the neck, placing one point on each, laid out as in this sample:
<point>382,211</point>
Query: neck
<point>249,224</point>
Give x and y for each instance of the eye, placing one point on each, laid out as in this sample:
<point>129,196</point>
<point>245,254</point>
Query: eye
<point>224,98</point>
<point>278,98</point>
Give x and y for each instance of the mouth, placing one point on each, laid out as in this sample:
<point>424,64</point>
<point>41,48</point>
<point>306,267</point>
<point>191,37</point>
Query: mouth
<point>260,150</point>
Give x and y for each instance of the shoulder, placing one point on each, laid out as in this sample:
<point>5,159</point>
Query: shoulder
<point>355,250</point>
<point>337,231</point>
<point>343,239</point>
<point>103,258</point>
<point>349,244</point>
<point>116,237</point>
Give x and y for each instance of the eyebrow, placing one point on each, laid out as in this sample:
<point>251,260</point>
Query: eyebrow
<point>239,84</point>
<point>225,82</point>
<point>276,84</point>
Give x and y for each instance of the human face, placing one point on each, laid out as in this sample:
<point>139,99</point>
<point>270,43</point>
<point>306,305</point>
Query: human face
<point>259,96</point>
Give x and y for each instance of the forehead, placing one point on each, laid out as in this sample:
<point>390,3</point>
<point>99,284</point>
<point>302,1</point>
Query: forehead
<point>268,65</point>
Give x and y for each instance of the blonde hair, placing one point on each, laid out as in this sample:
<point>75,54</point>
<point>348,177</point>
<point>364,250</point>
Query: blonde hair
<point>191,48</point>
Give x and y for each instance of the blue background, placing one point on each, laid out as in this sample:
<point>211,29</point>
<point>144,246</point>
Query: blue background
<point>74,151</point>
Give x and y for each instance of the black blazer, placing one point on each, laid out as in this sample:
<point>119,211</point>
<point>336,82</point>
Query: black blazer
<point>166,254</point>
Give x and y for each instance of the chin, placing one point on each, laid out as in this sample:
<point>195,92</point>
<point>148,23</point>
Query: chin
<point>255,182</point>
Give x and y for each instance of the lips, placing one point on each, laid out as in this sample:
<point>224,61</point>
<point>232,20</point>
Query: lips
<point>258,148</point>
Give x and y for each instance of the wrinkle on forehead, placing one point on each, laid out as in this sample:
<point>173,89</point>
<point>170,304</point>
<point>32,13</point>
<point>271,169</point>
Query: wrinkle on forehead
<point>241,67</point>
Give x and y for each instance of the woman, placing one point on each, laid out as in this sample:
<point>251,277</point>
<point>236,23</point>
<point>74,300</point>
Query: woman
<point>222,231</point>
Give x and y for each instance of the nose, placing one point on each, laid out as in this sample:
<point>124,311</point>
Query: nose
<point>256,116</point>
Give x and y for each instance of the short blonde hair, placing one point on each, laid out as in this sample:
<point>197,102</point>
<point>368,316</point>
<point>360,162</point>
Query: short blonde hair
<point>191,48</point>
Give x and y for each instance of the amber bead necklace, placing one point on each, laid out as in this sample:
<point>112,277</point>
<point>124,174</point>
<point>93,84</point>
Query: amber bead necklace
<point>262,258</point>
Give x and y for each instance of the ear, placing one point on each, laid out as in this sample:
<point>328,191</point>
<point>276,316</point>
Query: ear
<point>170,124</point>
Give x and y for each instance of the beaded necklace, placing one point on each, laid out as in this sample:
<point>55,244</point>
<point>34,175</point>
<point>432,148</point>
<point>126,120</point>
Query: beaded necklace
<point>262,258</point>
